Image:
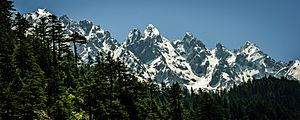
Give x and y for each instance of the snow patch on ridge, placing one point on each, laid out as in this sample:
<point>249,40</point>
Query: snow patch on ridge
<point>151,31</point>
<point>294,70</point>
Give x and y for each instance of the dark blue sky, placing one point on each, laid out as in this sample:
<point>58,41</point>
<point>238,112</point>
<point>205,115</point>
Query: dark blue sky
<point>274,25</point>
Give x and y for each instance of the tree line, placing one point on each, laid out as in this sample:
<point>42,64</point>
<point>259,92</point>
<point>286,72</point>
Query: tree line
<point>40,78</point>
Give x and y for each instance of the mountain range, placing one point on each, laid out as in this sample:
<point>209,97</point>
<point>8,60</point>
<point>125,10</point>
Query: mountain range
<point>188,61</point>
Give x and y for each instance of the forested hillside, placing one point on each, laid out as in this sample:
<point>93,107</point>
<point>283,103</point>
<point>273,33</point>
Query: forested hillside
<point>41,78</point>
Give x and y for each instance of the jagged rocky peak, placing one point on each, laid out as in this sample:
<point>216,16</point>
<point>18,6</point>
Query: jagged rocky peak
<point>106,35</point>
<point>151,31</point>
<point>251,52</point>
<point>248,48</point>
<point>35,17</point>
<point>190,41</point>
<point>220,46</point>
<point>248,43</point>
<point>188,36</point>
<point>133,35</point>
<point>222,52</point>
<point>85,22</point>
<point>65,18</point>
<point>43,12</point>
<point>86,25</point>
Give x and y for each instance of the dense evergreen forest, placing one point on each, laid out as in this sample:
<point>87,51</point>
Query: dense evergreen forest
<point>41,78</point>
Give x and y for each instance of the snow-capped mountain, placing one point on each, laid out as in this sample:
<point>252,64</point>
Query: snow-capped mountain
<point>149,54</point>
<point>99,40</point>
<point>159,56</point>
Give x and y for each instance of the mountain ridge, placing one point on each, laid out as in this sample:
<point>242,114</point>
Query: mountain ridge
<point>187,61</point>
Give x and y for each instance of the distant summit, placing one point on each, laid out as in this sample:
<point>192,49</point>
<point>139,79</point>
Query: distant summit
<point>151,31</point>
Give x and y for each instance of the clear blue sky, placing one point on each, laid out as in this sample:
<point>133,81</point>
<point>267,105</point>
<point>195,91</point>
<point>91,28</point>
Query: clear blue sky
<point>274,25</point>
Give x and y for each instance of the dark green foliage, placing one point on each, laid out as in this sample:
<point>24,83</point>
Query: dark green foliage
<point>268,98</point>
<point>31,94</point>
<point>176,102</point>
<point>8,76</point>
<point>209,109</point>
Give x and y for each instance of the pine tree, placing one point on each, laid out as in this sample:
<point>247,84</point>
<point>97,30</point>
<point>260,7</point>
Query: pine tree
<point>95,92</point>
<point>23,53</point>
<point>68,66</point>
<point>90,61</point>
<point>7,43</point>
<point>8,77</point>
<point>177,110</point>
<point>76,38</point>
<point>55,84</point>
<point>153,90</point>
<point>31,94</point>
<point>110,75</point>
<point>42,45</point>
<point>209,109</point>
<point>56,35</point>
